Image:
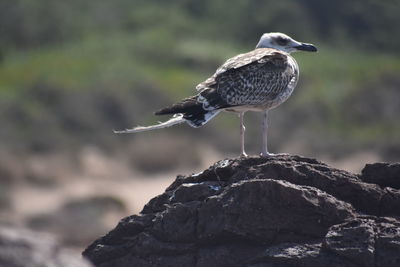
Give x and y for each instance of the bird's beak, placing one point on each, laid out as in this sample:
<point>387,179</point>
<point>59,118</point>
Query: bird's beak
<point>306,47</point>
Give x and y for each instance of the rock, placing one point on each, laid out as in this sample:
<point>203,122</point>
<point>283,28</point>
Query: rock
<point>387,242</point>
<point>264,205</point>
<point>366,241</point>
<point>303,254</point>
<point>354,240</point>
<point>21,247</point>
<point>383,174</point>
<point>279,211</point>
<point>343,185</point>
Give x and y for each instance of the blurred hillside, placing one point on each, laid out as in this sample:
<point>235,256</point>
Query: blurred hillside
<point>72,71</point>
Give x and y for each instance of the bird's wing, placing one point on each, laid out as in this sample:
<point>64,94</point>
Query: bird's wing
<point>237,62</point>
<point>254,78</point>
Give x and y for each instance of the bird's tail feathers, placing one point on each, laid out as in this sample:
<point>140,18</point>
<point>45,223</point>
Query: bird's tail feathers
<point>199,119</point>
<point>176,119</point>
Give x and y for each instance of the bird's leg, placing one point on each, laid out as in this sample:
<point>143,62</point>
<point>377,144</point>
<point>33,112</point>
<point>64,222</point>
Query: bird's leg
<point>242,129</point>
<point>264,148</point>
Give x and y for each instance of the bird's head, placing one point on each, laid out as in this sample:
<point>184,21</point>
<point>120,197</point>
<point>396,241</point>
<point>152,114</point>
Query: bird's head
<point>281,41</point>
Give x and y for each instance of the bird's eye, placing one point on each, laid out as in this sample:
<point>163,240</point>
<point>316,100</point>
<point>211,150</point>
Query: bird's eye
<point>282,41</point>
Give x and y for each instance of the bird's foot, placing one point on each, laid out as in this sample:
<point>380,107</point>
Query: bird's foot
<point>244,155</point>
<point>269,154</point>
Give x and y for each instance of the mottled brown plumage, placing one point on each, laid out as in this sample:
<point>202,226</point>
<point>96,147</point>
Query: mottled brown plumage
<point>256,80</point>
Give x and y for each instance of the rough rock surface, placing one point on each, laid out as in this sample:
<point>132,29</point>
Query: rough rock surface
<point>21,248</point>
<point>276,212</point>
<point>383,174</point>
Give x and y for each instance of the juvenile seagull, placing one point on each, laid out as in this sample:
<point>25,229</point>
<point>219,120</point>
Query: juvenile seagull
<point>258,80</point>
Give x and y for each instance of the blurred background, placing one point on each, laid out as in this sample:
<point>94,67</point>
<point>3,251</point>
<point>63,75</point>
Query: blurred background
<point>72,71</point>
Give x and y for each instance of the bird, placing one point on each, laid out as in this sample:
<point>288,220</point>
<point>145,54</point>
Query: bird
<point>259,80</point>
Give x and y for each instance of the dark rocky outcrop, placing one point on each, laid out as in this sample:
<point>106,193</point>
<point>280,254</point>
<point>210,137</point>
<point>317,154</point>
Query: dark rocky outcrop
<point>279,211</point>
<point>22,248</point>
<point>383,174</point>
